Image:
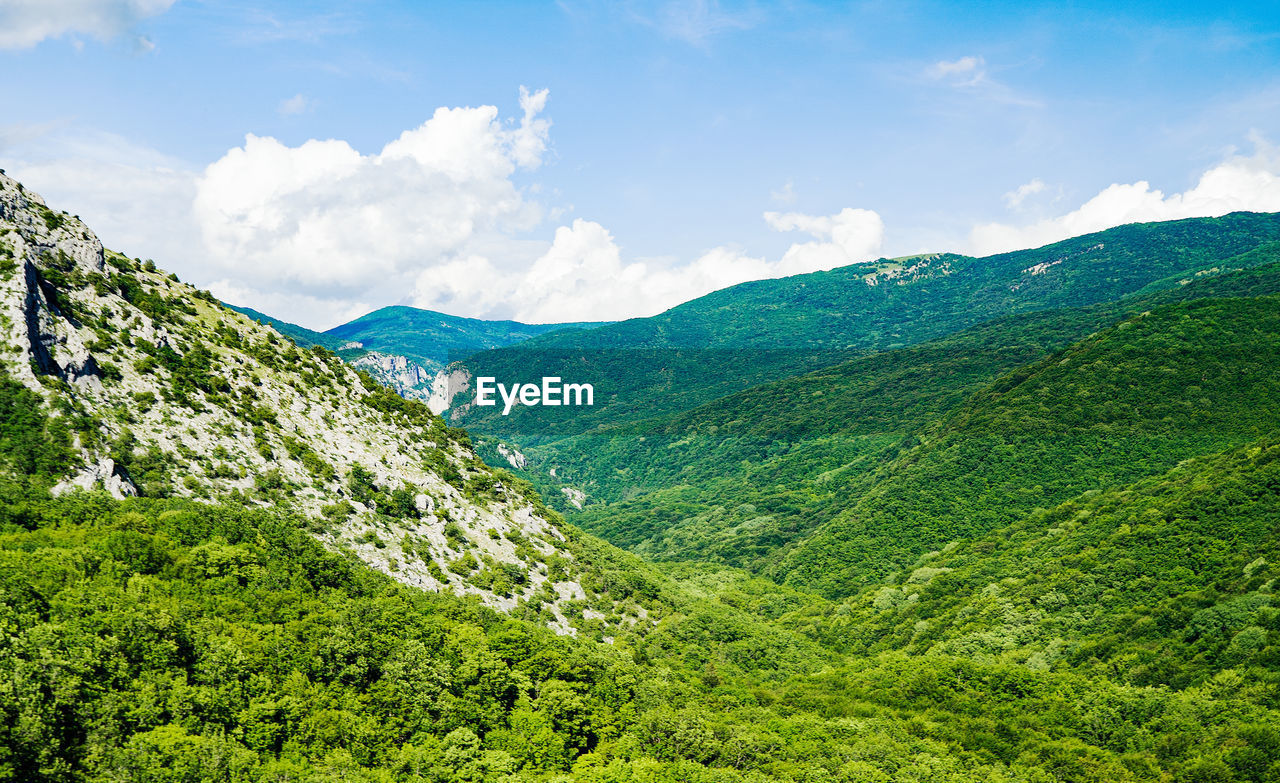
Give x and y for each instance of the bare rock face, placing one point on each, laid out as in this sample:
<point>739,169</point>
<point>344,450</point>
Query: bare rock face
<point>513,456</point>
<point>446,385</point>
<point>408,378</point>
<point>45,251</point>
<point>105,473</point>
<point>46,232</point>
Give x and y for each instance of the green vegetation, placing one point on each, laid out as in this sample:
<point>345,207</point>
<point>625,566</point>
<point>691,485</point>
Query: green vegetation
<point>1135,400</point>
<point>1166,581</point>
<point>166,640</point>
<point>737,480</point>
<point>765,330</point>
<point>1024,530</point>
<point>31,443</point>
<point>429,338</point>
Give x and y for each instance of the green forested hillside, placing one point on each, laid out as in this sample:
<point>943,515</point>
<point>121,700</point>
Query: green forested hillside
<point>738,479</point>
<point>1170,384</point>
<point>1168,580</point>
<point>760,331</point>
<point>166,640</point>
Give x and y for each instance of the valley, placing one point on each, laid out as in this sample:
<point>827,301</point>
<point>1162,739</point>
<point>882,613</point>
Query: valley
<point>937,518</point>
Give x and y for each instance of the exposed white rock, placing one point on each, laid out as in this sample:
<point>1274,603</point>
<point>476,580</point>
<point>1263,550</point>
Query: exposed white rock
<point>513,456</point>
<point>407,377</point>
<point>103,473</point>
<point>446,385</point>
<point>576,497</point>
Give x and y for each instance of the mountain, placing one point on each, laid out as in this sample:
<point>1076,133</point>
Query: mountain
<point>1135,400</point>
<point>1046,544</point>
<point>435,339</point>
<point>301,336</point>
<point>739,479</point>
<point>407,348</point>
<point>155,389</point>
<point>770,329</point>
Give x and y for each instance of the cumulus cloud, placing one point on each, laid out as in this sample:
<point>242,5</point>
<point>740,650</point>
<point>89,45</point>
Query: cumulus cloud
<point>848,237</point>
<point>25,23</point>
<point>320,233</point>
<point>325,218</point>
<point>583,275</point>
<point>1240,183</point>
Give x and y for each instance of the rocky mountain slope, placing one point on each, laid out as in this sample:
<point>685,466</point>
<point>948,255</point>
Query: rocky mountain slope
<point>162,391</point>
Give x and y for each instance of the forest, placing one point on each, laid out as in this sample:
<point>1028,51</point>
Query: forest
<point>1036,542</point>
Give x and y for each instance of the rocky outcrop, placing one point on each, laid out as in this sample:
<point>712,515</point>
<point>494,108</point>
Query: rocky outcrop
<point>575,497</point>
<point>40,250</point>
<point>513,456</point>
<point>399,372</point>
<point>174,394</point>
<point>446,385</point>
<point>106,474</point>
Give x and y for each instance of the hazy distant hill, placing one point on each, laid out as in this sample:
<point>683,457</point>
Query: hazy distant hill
<point>434,339</point>
<point>405,347</point>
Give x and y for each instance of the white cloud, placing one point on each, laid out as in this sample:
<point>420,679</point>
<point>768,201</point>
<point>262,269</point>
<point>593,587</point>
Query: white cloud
<point>25,23</point>
<point>1014,198</point>
<point>327,219</point>
<point>296,105</point>
<point>784,195</point>
<point>583,275</point>
<point>580,277</point>
<point>137,200</point>
<point>1237,184</point>
<point>320,233</point>
<point>970,75</point>
<point>848,237</point>
<point>967,71</point>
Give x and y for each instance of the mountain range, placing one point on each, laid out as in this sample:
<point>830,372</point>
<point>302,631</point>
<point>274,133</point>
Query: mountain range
<point>934,518</point>
<point>408,348</point>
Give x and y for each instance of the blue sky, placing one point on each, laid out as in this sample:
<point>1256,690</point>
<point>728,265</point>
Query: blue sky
<point>679,146</point>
